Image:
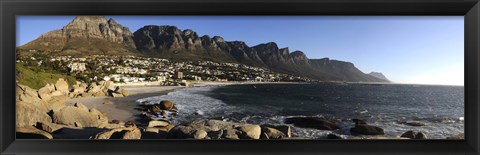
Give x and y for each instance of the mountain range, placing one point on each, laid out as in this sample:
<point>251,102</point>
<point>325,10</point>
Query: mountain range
<point>88,35</point>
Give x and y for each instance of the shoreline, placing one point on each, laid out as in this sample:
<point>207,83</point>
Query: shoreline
<point>126,108</point>
<point>123,108</point>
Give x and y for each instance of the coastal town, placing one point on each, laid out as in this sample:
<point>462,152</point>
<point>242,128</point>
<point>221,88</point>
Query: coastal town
<point>143,70</point>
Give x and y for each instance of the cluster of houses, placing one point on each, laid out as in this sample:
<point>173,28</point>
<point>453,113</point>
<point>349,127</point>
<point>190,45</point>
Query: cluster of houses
<point>131,69</point>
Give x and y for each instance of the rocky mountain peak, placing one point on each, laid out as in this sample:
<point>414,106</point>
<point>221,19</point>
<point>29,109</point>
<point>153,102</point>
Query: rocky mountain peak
<point>218,39</point>
<point>87,27</point>
<point>378,75</point>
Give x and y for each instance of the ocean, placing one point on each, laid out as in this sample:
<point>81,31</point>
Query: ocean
<point>440,108</point>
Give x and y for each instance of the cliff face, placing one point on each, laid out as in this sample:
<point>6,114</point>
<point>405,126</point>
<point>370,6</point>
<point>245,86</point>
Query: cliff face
<point>172,43</point>
<point>87,35</point>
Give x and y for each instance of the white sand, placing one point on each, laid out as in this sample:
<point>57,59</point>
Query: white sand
<point>123,108</point>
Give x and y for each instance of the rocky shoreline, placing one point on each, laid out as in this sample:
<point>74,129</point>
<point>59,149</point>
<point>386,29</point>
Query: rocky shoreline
<point>43,114</point>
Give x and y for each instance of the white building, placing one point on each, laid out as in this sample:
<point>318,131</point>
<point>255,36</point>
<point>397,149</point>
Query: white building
<point>76,66</point>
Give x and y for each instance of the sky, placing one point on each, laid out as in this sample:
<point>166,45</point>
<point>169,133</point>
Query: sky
<point>406,49</point>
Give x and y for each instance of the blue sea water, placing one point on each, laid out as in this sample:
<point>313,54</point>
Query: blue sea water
<point>438,107</point>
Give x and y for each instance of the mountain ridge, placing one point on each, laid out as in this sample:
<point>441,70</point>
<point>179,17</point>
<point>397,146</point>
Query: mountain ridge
<point>96,35</point>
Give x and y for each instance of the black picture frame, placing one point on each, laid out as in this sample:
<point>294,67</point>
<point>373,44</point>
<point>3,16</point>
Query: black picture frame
<point>470,9</point>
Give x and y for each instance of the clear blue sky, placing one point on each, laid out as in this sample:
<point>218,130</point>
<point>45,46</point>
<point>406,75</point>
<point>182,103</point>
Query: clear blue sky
<point>406,49</point>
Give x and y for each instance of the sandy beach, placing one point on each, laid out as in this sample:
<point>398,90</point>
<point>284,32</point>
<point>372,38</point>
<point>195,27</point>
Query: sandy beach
<point>123,108</point>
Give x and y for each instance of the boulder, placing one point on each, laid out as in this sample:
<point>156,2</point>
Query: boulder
<point>79,117</point>
<point>78,89</point>
<point>56,103</point>
<point>285,129</point>
<point>61,86</point>
<point>200,134</point>
<point>160,129</point>
<point>364,129</point>
<point>48,127</point>
<point>273,133</point>
<point>182,131</point>
<point>166,105</point>
<point>133,134</point>
<point>421,135</point>
<point>44,93</point>
<point>155,109</point>
<point>414,135</point>
<point>56,93</point>
<point>28,115</point>
<point>101,117</point>
<point>31,133</point>
<point>250,131</point>
<point>409,134</point>
<point>93,88</point>
<point>26,93</point>
<point>158,123</point>
<point>312,122</point>
<point>109,85</point>
<point>230,134</point>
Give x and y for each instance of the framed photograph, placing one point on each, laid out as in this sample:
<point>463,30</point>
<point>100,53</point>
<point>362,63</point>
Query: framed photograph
<point>239,77</point>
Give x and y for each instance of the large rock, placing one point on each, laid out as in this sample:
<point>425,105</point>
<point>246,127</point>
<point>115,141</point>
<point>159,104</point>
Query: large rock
<point>160,129</point>
<point>273,133</point>
<point>26,94</point>
<point>312,122</point>
<point>250,131</point>
<point>78,117</point>
<point>56,93</point>
<point>44,92</point>
<point>285,129</point>
<point>414,135</point>
<point>166,105</point>
<point>28,115</point>
<point>200,134</point>
<point>62,86</point>
<point>155,109</point>
<point>55,103</point>
<point>364,129</point>
<point>133,134</point>
<point>159,123</point>
<point>31,133</point>
<point>109,85</point>
<point>48,127</point>
<point>78,89</point>
<point>182,132</point>
<point>230,134</point>
<point>93,88</point>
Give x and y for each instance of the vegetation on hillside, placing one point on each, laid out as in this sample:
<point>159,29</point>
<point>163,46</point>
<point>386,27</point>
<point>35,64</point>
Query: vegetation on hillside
<point>36,77</point>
